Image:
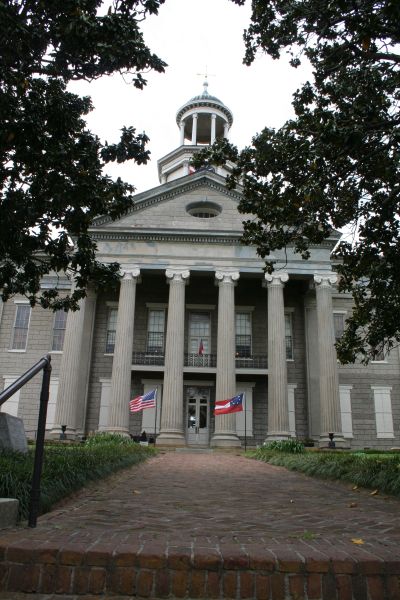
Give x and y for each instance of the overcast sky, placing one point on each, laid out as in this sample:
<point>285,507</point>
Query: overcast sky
<point>192,36</point>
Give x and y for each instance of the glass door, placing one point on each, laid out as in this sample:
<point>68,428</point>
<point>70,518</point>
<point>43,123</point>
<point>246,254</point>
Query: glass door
<point>198,416</point>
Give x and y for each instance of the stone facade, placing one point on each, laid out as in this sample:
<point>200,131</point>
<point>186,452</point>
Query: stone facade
<point>196,318</point>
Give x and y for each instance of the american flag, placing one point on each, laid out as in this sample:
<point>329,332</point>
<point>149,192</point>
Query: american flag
<point>141,402</point>
<point>201,348</point>
<point>224,407</point>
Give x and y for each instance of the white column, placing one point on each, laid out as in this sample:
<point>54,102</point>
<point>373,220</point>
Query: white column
<point>86,358</point>
<point>226,131</point>
<point>182,132</point>
<point>118,418</point>
<point>213,127</point>
<point>194,129</point>
<point>69,381</point>
<point>328,372</point>
<point>172,433</point>
<point>225,425</point>
<point>278,411</point>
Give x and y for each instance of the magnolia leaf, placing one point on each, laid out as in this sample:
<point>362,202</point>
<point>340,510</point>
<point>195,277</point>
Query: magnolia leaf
<point>358,541</point>
<point>374,493</point>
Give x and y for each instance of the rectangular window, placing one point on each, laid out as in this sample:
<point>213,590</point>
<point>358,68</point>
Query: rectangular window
<point>338,325</point>
<point>111,329</point>
<point>155,331</point>
<point>199,333</point>
<point>60,321</point>
<point>383,411</point>
<point>21,326</point>
<point>243,335</point>
<point>345,410</point>
<point>289,336</point>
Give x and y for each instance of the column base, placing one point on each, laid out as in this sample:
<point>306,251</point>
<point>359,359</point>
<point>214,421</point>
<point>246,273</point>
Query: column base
<point>225,440</point>
<point>170,438</point>
<point>339,441</point>
<point>57,434</point>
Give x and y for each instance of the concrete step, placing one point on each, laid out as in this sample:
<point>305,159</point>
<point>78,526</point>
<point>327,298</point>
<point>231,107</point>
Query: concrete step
<point>8,512</point>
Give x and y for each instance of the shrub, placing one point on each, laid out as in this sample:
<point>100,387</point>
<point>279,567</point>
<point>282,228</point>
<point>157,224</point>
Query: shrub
<point>291,446</point>
<point>66,468</point>
<point>108,438</point>
<point>366,470</point>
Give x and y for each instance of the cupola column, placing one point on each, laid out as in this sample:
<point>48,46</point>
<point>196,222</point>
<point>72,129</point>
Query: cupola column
<point>226,131</point>
<point>278,409</point>
<point>213,127</point>
<point>328,371</point>
<point>182,132</point>
<point>225,425</point>
<point>194,129</point>
<point>171,432</point>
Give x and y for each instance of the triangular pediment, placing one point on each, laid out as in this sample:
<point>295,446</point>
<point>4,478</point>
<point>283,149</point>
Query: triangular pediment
<point>166,208</point>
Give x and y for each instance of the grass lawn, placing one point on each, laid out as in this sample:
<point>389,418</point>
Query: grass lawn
<point>66,468</point>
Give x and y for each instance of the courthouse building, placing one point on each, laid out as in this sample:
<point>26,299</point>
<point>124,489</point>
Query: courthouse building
<point>197,319</point>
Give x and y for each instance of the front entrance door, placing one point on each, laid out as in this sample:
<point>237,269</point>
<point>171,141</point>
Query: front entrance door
<point>198,416</point>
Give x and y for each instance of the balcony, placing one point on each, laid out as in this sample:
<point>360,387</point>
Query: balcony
<point>253,361</point>
<point>204,360</point>
<point>146,359</point>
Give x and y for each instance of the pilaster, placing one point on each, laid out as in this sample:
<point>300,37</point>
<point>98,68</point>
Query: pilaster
<point>225,425</point>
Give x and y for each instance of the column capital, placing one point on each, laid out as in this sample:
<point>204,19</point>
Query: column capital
<point>213,116</point>
<point>130,273</point>
<point>226,276</point>
<point>277,278</point>
<point>195,115</point>
<point>177,274</point>
<point>325,279</point>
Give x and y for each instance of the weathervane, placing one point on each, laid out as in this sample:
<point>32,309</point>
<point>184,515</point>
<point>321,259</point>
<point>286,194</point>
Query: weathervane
<point>206,75</point>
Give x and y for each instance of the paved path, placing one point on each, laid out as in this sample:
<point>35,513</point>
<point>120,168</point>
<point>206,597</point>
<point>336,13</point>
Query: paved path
<point>207,506</point>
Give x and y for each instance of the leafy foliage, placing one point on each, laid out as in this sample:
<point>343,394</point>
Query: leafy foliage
<point>51,181</point>
<point>66,468</point>
<point>336,164</point>
<point>376,471</point>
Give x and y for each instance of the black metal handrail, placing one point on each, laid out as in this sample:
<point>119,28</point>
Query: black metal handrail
<point>45,365</point>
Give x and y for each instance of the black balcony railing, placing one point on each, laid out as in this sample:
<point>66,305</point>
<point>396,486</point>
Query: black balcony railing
<point>258,361</point>
<point>203,360</point>
<point>149,359</point>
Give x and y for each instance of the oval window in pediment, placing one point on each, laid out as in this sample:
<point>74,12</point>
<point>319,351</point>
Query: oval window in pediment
<point>203,209</point>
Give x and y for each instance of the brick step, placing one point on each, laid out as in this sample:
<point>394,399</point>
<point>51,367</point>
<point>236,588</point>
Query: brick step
<point>206,574</point>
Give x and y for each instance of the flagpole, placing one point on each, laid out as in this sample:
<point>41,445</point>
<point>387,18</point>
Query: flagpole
<point>155,419</point>
<point>245,423</point>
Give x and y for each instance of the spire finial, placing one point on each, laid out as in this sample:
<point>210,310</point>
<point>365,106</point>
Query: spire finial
<point>205,82</point>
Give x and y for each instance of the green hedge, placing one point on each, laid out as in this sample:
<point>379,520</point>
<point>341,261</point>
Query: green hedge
<point>66,468</point>
<point>379,471</point>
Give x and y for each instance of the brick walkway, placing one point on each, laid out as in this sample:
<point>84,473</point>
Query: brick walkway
<point>214,525</point>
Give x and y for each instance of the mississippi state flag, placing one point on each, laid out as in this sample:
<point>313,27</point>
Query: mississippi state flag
<point>223,407</point>
<point>141,402</point>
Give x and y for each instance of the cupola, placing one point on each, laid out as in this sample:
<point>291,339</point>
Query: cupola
<point>201,120</point>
